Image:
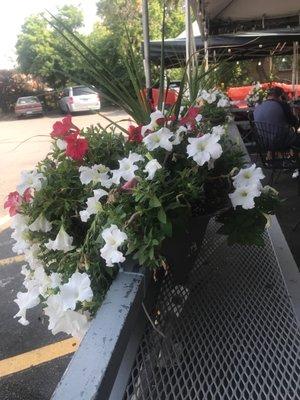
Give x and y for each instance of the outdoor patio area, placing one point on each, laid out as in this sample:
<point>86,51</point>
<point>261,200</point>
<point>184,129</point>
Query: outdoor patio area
<point>151,219</point>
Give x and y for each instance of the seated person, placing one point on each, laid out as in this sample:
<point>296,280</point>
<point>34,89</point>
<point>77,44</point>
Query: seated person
<point>277,112</point>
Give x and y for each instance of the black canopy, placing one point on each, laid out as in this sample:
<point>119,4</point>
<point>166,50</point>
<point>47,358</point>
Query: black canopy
<point>238,46</point>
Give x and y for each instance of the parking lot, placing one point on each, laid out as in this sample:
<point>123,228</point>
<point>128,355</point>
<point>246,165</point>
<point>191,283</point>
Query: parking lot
<point>23,142</point>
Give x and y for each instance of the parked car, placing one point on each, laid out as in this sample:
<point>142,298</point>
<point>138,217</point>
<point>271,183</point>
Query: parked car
<point>79,98</point>
<point>29,105</point>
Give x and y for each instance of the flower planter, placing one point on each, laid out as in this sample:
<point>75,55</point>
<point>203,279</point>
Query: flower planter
<point>182,248</point>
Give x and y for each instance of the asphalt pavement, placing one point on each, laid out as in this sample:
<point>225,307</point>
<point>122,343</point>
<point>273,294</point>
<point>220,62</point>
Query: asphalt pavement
<point>24,142</point>
<point>32,360</point>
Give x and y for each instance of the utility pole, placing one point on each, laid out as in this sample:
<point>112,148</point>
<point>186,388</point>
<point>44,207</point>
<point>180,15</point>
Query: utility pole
<point>145,19</point>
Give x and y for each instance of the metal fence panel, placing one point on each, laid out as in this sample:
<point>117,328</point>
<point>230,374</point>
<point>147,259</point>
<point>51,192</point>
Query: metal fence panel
<point>229,333</point>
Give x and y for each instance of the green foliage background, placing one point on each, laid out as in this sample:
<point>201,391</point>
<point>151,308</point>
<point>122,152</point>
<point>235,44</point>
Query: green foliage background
<point>42,51</point>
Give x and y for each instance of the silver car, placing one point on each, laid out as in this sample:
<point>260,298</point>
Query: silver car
<point>79,98</point>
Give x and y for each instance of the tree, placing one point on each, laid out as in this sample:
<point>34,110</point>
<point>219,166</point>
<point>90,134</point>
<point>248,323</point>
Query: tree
<point>121,22</point>
<point>43,52</point>
<point>14,85</point>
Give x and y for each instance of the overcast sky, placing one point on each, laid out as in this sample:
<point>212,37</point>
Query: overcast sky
<point>14,12</point>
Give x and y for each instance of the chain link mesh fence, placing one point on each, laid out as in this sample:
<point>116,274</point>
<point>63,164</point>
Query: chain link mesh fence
<point>229,333</point>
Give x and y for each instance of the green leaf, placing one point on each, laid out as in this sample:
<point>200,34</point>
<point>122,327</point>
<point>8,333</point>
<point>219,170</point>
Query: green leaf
<point>162,216</point>
<point>167,229</point>
<point>154,202</point>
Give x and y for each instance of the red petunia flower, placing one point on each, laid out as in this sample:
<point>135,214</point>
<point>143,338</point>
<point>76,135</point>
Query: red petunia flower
<point>76,146</point>
<point>62,128</point>
<point>134,133</point>
<point>190,116</point>
<point>13,202</point>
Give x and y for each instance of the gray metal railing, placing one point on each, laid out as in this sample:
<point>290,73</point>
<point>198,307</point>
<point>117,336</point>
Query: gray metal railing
<point>95,366</point>
<point>209,345</point>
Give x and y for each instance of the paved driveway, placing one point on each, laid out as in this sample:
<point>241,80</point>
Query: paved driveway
<point>35,131</point>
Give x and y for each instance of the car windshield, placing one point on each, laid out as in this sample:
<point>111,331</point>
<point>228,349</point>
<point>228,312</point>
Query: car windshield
<point>28,100</point>
<point>79,91</point>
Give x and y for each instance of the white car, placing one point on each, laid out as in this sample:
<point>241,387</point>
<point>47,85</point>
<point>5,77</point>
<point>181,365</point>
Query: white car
<point>79,98</point>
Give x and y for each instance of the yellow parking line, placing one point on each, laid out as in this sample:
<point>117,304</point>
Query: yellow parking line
<point>39,356</point>
<point>11,260</point>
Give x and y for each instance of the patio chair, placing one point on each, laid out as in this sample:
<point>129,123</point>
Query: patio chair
<point>275,148</point>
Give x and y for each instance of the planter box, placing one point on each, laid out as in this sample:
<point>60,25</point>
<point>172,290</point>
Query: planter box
<point>182,248</point>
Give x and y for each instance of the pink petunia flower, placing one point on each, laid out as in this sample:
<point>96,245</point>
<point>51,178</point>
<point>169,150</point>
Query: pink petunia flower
<point>128,186</point>
<point>27,196</point>
<point>14,201</point>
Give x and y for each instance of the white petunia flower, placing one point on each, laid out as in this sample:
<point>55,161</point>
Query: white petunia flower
<point>20,234</point>
<point>30,179</point>
<point>248,177</point>
<point>22,241</point>
<point>78,288</point>
<point>61,144</point>
<point>127,168</point>
<point>41,224</point>
<point>151,167</point>
<point>244,196</point>
<point>76,322</point>
<point>154,117</point>
<point>218,130</point>
<point>113,238</point>
<point>25,301</point>
<point>54,310</point>
<point>19,222</point>
<point>198,118</point>
<point>69,322</point>
<point>135,157</point>
<point>93,205</point>
<point>31,256</point>
<point>223,102</point>
<point>98,173</point>
<point>179,134</point>
<point>62,242</point>
<point>210,97</point>
<point>55,280</point>
<point>25,270</point>
<point>39,280</point>
<point>204,148</point>
<point>161,138</point>
<point>111,255</point>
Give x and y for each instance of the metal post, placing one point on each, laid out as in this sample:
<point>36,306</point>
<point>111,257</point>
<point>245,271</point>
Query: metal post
<point>188,37</point>
<point>295,68</point>
<point>204,35</point>
<point>145,19</point>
